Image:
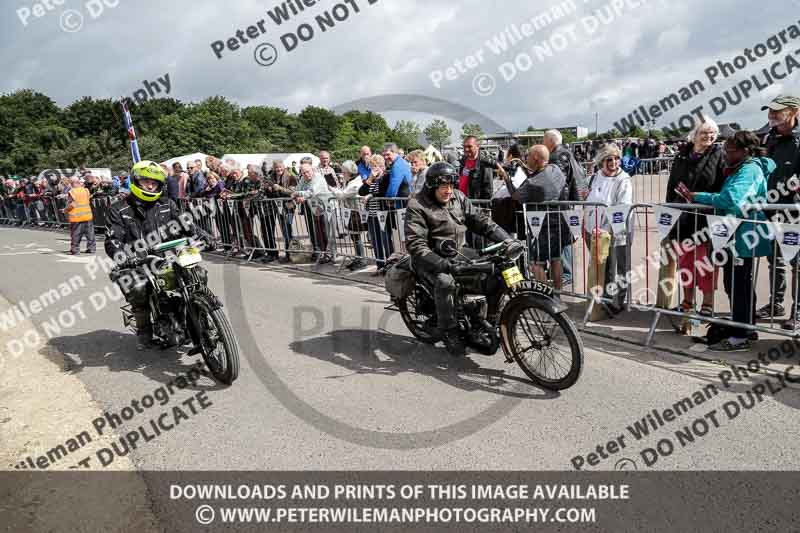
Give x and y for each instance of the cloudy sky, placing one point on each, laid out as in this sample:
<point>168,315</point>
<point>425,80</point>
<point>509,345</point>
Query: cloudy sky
<point>636,55</point>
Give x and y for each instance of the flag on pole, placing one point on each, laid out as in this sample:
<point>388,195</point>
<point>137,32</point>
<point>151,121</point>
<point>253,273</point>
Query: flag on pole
<point>131,132</point>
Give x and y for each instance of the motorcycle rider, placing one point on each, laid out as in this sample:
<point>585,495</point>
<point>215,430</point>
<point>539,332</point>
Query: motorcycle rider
<point>135,224</point>
<point>442,212</point>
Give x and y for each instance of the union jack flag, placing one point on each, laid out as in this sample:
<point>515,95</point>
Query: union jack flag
<point>131,132</point>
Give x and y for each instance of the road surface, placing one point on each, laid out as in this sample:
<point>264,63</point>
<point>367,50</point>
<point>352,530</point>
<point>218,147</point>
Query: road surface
<point>331,381</point>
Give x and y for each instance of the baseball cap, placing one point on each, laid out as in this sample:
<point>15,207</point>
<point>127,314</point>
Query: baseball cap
<point>779,103</point>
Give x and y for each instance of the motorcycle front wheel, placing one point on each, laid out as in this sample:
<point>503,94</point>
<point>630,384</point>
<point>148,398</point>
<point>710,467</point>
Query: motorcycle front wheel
<point>220,351</point>
<point>545,345</point>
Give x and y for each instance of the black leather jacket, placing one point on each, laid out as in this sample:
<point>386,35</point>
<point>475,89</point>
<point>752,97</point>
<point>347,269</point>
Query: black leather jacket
<point>131,220</point>
<point>481,177</point>
<point>428,221</point>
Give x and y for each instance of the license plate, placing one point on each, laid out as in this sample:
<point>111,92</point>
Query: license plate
<point>512,276</point>
<point>189,257</point>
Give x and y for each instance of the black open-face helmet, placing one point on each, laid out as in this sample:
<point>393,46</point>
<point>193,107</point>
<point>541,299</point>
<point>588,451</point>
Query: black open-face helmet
<point>440,173</point>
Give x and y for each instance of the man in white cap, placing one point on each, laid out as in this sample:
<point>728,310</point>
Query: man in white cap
<point>783,147</point>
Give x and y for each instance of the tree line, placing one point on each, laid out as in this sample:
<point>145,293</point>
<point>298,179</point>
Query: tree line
<point>37,134</point>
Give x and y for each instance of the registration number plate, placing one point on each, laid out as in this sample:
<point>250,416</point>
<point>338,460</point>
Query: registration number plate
<point>189,257</point>
<point>512,276</point>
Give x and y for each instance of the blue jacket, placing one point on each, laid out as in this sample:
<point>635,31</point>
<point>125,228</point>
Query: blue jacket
<point>196,185</point>
<point>363,169</point>
<point>748,185</point>
<point>399,173</point>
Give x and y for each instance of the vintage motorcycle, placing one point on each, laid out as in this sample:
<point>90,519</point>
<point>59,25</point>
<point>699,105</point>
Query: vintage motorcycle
<point>497,307</point>
<point>180,301</point>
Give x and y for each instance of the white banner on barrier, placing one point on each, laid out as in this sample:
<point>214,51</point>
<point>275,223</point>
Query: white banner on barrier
<point>574,221</point>
<point>345,216</point>
<point>617,215</point>
<point>788,236</point>
<point>401,223</point>
<point>382,216</point>
<point>536,219</point>
<point>722,229</point>
<point>364,216</point>
<point>666,217</point>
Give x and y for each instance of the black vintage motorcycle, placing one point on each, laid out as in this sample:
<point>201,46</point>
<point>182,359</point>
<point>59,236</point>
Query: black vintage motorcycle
<point>180,302</point>
<point>527,321</point>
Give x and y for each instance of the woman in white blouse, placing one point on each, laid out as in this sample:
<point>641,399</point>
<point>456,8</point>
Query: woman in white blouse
<point>610,185</point>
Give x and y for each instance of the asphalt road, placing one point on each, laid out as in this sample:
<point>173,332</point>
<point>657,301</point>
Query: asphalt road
<point>331,381</point>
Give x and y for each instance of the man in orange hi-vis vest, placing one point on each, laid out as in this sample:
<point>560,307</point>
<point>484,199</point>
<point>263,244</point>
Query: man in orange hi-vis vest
<point>79,214</point>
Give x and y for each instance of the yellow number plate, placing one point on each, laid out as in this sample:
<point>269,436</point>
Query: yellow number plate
<point>512,276</point>
<point>189,257</point>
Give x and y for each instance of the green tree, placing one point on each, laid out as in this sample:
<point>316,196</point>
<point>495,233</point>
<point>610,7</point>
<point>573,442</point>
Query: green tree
<point>567,137</point>
<point>145,116</point>
<point>438,134</point>
<point>88,117</point>
<point>215,126</point>
<point>406,134</point>
<point>30,125</point>
<point>272,124</point>
<point>344,143</point>
<point>320,126</point>
<point>368,122</point>
<point>636,131</point>
<point>474,130</point>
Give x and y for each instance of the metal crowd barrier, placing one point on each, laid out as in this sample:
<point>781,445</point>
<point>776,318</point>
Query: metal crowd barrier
<point>660,277</point>
<point>47,211</point>
<point>347,229</point>
<point>366,232</point>
<point>260,227</point>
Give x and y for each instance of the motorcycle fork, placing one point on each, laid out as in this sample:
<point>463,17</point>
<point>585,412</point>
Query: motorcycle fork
<point>190,318</point>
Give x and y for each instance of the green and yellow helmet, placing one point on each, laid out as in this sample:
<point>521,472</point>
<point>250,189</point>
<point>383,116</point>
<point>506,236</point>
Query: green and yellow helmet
<point>151,171</point>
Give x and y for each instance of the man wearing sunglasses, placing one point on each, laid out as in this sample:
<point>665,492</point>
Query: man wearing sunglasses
<point>442,212</point>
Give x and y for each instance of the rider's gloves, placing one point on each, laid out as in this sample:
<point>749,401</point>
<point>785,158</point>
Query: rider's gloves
<point>499,235</point>
<point>514,247</point>
<point>437,263</point>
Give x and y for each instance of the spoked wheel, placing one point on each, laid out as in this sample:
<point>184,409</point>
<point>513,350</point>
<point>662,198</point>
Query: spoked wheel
<point>220,351</point>
<point>419,315</point>
<point>544,344</point>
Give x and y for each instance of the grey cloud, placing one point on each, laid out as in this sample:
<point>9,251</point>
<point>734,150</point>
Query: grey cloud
<point>390,47</point>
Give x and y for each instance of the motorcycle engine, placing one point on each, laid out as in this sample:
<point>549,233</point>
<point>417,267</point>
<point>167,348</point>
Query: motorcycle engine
<point>169,329</point>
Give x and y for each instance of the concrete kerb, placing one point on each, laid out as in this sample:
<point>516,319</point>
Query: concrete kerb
<point>43,406</point>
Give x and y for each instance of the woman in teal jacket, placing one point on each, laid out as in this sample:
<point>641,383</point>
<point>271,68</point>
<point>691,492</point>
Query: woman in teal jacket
<point>745,185</point>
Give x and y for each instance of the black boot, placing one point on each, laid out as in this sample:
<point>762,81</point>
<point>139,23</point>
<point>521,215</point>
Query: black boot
<point>144,331</point>
<point>452,341</point>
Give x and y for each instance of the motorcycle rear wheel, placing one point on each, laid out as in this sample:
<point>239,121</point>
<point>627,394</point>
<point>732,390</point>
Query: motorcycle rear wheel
<point>415,319</point>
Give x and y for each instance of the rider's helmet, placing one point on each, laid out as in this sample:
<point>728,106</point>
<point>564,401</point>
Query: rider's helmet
<point>440,173</point>
<point>147,170</point>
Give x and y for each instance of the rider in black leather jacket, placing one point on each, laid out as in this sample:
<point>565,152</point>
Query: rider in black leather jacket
<point>442,212</point>
<point>142,220</point>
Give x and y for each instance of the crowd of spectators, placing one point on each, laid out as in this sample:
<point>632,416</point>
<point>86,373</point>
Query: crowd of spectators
<point>371,192</point>
<point>36,200</point>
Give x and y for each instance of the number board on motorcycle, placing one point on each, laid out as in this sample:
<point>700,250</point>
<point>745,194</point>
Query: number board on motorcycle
<point>542,288</point>
<point>512,276</point>
<point>189,257</point>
